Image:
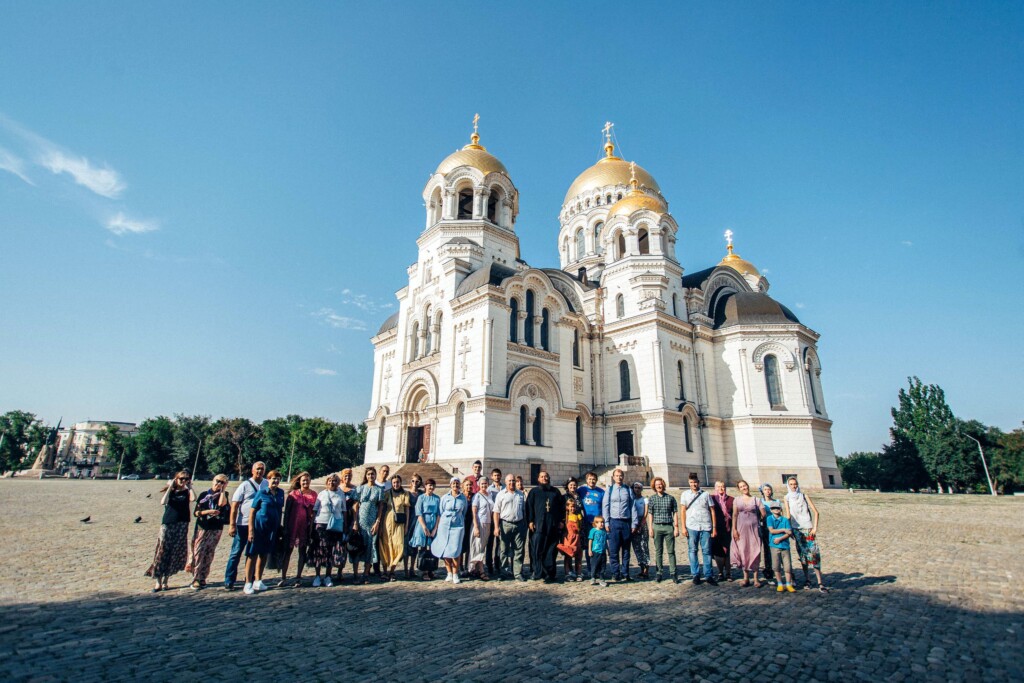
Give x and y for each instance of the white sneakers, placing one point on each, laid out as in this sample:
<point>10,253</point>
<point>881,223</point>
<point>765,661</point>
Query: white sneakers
<point>327,582</point>
<point>248,590</point>
<point>448,578</point>
<point>259,586</point>
<point>456,579</point>
<point>316,582</point>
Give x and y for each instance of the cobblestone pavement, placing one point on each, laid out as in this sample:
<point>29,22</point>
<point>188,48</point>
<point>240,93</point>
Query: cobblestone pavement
<point>924,588</point>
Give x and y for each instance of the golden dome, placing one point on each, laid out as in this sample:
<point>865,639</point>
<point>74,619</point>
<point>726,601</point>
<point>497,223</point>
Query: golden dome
<point>609,171</point>
<point>738,264</point>
<point>474,155</point>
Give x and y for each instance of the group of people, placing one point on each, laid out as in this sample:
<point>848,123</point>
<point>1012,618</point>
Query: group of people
<point>482,528</point>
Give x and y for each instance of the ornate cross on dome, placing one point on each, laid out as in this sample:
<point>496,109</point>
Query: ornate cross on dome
<point>476,120</point>
<point>632,175</point>
<point>608,125</point>
<point>728,239</point>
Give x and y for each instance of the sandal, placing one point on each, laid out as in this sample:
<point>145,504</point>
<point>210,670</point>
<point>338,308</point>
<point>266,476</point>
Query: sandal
<point>745,584</point>
<point>822,589</point>
<point>758,584</point>
<point>196,585</point>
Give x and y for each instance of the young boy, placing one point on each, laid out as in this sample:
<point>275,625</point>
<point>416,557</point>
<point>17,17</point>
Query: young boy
<point>598,542</point>
<point>779,533</point>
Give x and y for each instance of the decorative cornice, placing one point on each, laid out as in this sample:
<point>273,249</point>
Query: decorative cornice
<point>523,350</point>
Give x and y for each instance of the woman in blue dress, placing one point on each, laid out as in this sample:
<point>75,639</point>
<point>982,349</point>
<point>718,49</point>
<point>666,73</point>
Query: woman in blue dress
<point>264,523</point>
<point>447,544</point>
<point>368,499</point>
<point>428,506</point>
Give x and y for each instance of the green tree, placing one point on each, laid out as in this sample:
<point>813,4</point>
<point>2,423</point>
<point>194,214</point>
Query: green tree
<point>924,418</point>
<point>276,446</point>
<point>1006,460</point>
<point>23,435</point>
<point>234,445</point>
<point>901,466</point>
<point>861,469</point>
<point>154,446</point>
<point>116,446</point>
<point>189,432</point>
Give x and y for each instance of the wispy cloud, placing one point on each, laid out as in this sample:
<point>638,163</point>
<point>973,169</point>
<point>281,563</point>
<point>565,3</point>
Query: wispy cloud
<point>364,302</point>
<point>324,372</point>
<point>12,164</point>
<point>331,317</point>
<point>210,259</point>
<point>765,271</point>
<point>119,224</point>
<point>104,181</point>
<point>800,304</point>
<point>907,243</point>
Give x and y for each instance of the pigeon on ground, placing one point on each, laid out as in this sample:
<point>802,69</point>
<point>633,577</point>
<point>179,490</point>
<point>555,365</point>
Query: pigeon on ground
<point>149,495</point>
<point>138,519</point>
<point>129,490</point>
<point>86,520</point>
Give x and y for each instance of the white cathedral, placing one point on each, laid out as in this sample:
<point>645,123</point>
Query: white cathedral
<point>616,357</point>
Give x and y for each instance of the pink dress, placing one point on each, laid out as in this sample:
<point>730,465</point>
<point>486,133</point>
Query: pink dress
<point>298,517</point>
<point>746,552</point>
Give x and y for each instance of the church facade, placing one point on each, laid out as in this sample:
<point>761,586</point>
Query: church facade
<point>615,356</point>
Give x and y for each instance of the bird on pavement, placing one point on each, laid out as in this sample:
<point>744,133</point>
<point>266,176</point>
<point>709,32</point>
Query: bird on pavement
<point>138,519</point>
<point>86,520</point>
<point>149,495</point>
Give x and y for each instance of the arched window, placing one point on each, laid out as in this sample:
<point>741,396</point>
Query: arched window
<point>682,383</point>
<point>545,323</point>
<point>435,206</point>
<point>579,433</point>
<point>465,204</point>
<point>675,308</point>
<point>597,237</point>
<point>620,306</point>
<point>581,247</point>
<point>513,321</point>
<point>439,326</point>
<point>492,205</point>
<point>576,348</point>
<point>523,413</point>
<point>620,246</point>
<point>380,435</point>
<point>774,382</point>
<point>814,391</point>
<point>624,388</point>
<point>686,434</point>
<point>428,338</point>
<point>415,340</point>
<point>608,199</point>
<point>528,336</point>
<point>460,421</point>
<point>643,241</point>
<point>538,428</point>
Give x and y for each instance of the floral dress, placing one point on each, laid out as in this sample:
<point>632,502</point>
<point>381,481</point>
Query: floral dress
<point>369,497</point>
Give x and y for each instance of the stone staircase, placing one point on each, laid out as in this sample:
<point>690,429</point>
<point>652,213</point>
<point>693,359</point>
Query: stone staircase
<point>426,470</point>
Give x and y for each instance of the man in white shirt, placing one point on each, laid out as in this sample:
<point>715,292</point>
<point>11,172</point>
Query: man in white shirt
<point>698,522</point>
<point>385,478</point>
<point>510,527</point>
<point>238,529</point>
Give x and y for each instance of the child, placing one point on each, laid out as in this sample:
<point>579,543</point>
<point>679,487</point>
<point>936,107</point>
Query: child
<point>598,542</point>
<point>779,533</point>
<point>570,544</point>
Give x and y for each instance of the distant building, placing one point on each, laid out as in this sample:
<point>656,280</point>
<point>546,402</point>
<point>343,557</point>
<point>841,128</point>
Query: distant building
<point>80,452</point>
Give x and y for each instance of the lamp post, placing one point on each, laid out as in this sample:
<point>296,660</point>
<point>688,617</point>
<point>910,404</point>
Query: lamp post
<point>981,452</point>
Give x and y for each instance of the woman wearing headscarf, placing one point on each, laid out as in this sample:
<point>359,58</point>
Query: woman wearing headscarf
<point>264,525</point>
<point>394,520</point>
<point>638,539</point>
<point>467,493</point>
<point>767,497</point>
<point>327,546</point>
<point>172,543</point>
<point>722,541</point>
<point>415,489</point>
<point>368,500</point>
<point>748,514</point>
<point>447,543</point>
<point>483,508</point>
<point>803,517</point>
<point>428,507</point>
<point>299,513</point>
<point>211,512</point>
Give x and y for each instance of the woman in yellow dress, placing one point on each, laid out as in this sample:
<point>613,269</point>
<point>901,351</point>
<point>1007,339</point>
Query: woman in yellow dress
<point>396,509</point>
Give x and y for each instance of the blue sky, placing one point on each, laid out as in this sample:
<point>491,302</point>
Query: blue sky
<point>208,209</point>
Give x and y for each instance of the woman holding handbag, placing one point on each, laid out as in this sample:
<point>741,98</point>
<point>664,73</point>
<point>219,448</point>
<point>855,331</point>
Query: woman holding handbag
<point>329,531</point>
<point>428,507</point>
<point>212,512</point>
<point>396,506</point>
<point>172,544</point>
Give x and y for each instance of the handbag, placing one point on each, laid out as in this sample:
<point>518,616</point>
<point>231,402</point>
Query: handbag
<point>335,523</point>
<point>426,562</point>
<point>355,544</point>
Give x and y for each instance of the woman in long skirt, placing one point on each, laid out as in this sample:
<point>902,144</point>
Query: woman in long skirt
<point>328,537</point>
<point>766,499</point>
<point>172,544</point>
<point>428,507</point>
<point>298,524</point>
<point>482,517</point>
<point>368,497</point>
<point>415,489</point>
<point>447,543</point>
<point>722,541</point>
<point>396,510</point>
<point>212,509</point>
<point>746,533</point>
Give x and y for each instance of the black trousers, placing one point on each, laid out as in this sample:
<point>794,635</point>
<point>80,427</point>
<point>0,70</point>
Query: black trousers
<point>544,544</point>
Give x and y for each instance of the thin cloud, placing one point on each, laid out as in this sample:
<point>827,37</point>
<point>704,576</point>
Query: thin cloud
<point>363,302</point>
<point>801,304</point>
<point>120,224</point>
<point>324,372</point>
<point>105,181</point>
<point>907,243</point>
<point>12,164</point>
<point>330,317</point>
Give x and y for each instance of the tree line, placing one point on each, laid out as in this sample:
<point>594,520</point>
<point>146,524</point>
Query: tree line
<point>163,445</point>
<point>931,448</point>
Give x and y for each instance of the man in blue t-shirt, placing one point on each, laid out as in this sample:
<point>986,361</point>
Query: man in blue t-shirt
<point>779,533</point>
<point>592,496</point>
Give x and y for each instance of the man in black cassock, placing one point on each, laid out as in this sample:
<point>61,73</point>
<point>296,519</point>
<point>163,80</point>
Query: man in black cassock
<point>545,511</point>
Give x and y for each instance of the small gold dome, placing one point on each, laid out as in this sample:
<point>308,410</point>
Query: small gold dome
<point>611,170</point>
<point>738,264</point>
<point>636,201</point>
<point>474,155</point>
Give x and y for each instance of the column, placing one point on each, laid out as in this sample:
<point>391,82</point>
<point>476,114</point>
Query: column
<point>488,351</point>
<point>659,373</point>
<point>522,327</point>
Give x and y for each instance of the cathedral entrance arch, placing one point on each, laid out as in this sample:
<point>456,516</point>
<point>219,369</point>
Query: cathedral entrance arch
<point>416,423</point>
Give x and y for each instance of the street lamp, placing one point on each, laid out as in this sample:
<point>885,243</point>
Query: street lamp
<point>981,451</point>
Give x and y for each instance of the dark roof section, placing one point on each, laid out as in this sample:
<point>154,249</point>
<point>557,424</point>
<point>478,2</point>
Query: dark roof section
<point>751,308</point>
<point>575,278</point>
<point>462,240</point>
<point>491,274</point>
<point>693,280</point>
<point>389,324</point>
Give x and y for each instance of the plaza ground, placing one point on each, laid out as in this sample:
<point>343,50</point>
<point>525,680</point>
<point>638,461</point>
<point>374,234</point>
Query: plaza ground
<point>925,587</point>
